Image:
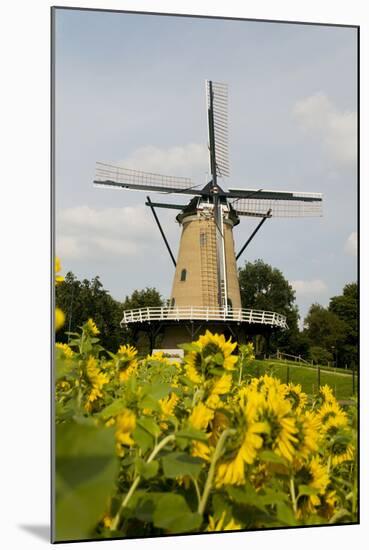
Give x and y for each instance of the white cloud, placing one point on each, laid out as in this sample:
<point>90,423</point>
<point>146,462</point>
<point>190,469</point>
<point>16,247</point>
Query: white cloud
<point>351,244</point>
<point>314,286</point>
<point>87,233</point>
<point>337,130</point>
<point>185,160</point>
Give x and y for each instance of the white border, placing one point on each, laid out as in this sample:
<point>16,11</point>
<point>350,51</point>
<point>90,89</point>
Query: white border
<point>24,494</point>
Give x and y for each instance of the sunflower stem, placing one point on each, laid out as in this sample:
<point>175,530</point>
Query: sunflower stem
<point>293,494</point>
<point>209,479</point>
<point>197,489</point>
<point>240,375</point>
<point>136,481</point>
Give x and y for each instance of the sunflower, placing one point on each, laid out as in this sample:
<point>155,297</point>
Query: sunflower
<point>127,362</point>
<point>66,350</point>
<point>326,394</point>
<point>218,424</point>
<point>222,524</point>
<point>332,418</point>
<point>328,503</point>
<point>315,475</point>
<point>58,278</point>
<point>212,344</point>
<point>63,385</point>
<point>296,396</point>
<point>159,356</point>
<point>218,386</point>
<point>281,437</point>
<point>200,449</point>
<point>200,416</point>
<point>191,371</point>
<point>248,441</point>
<point>97,379</point>
<point>308,435</point>
<point>59,318</point>
<point>126,424</point>
<point>91,327</point>
<point>207,347</point>
<point>168,404</point>
<point>221,385</point>
<point>265,383</point>
<point>341,448</point>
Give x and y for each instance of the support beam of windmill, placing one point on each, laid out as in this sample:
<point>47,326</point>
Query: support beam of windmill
<point>206,275</point>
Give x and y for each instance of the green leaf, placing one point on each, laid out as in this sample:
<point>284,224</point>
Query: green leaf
<point>142,505</point>
<point>216,371</point>
<point>181,464</point>
<point>65,411</point>
<point>246,496</point>
<point>157,391</point>
<point>307,490</point>
<point>190,347</point>
<point>271,496</point>
<point>269,456</point>
<point>147,470</point>
<point>192,433</point>
<point>151,395</point>
<point>218,359</point>
<point>220,505</point>
<point>146,507</point>
<point>149,425</point>
<point>339,515</point>
<point>285,514</point>
<point>65,368</point>
<point>143,438</point>
<point>113,409</point>
<point>173,514</point>
<point>86,468</point>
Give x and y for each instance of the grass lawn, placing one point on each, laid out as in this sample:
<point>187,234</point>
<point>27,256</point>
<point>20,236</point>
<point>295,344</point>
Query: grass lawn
<point>340,382</point>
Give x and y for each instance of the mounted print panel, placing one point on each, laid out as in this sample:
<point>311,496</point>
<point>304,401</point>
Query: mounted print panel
<point>205,198</point>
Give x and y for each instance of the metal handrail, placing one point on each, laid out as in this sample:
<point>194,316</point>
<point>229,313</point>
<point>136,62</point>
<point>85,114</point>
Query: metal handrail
<point>190,313</point>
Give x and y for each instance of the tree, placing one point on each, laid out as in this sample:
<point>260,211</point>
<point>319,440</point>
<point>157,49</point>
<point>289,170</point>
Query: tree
<point>324,330</point>
<point>81,300</point>
<point>264,287</point>
<point>149,297</point>
<point>345,306</point>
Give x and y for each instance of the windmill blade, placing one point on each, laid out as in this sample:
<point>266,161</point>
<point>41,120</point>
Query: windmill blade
<point>275,195</point>
<point>279,208</point>
<point>108,175</point>
<point>217,101</point>
<point>165,205</point>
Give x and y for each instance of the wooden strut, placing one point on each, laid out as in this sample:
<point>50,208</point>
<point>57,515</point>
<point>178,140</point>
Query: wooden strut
<point>267,215</point>
<point>161,230</point>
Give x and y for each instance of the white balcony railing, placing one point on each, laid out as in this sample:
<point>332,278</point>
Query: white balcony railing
<point>197,313</point>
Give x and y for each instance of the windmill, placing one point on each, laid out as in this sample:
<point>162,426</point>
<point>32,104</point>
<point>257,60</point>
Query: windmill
<point>205,291</point>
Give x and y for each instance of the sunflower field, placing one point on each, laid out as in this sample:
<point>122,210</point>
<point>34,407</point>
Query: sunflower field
<point>146,447</point>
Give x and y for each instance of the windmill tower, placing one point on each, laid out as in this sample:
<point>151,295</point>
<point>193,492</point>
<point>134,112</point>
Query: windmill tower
<point>205,290</point>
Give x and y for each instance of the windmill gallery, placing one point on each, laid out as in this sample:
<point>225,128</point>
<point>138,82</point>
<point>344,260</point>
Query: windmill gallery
<point>205,291</point>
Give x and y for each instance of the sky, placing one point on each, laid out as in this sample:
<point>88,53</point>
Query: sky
<point>130,90</point>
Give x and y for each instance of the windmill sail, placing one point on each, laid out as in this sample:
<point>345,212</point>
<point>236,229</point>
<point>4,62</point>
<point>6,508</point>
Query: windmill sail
<point>116,176</point>
<point>283,204</point>
<point>217,101</point>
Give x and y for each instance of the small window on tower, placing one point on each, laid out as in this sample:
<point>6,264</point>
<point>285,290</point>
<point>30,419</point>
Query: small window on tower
<point>172,302</point>
<point>183,274</point>
<point>202,239</point>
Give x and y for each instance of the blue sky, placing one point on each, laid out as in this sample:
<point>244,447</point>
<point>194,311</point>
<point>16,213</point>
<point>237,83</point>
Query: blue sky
<point>130,90</point>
